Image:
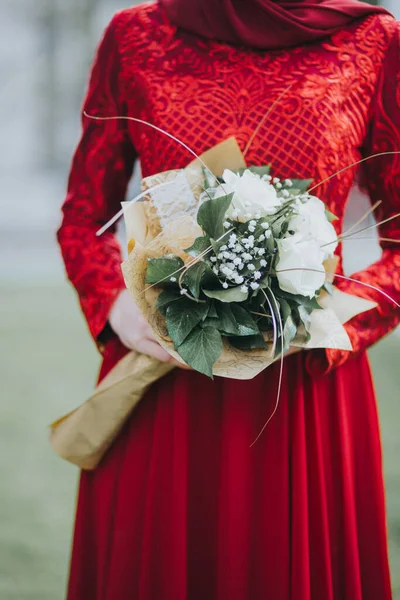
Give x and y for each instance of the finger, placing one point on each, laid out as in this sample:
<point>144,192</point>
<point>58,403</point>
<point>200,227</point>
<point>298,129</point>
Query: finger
<point>153,349</point>
<point>183,366</point>
<point>151,344</point>
<point>147,332</point>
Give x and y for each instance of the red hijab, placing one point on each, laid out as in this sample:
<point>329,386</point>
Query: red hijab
<point>266,24</point>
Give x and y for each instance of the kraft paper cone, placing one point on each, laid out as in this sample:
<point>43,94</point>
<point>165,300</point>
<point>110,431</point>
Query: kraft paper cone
<point>83,436</point>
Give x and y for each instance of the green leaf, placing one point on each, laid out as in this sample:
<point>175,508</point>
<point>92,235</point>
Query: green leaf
<point>233,294</point>
<point>309,303</point>
<point>305,319</point>
<point>201,349</point>
<point>275,303</point>
<point>305,316</point>
<point>193,277</point>
<point>277,226</point>
<point>244,321</point>
<point>289,326</point>
<point>183,317</point>
<point>211,215</point>
<point>249,342</point>
<point>212,311</point>
<point>211,322</point>
<point>302,184</point>
<point>226,322</point>
<point>166,298</point>
<point>209,179</point>
<point>209,279</point>
<point>161,269</point>
<point>200,245</point>
<point>330,216</point>
<point>271,244</point>
<point>265,282</point>
<point>265,170</point>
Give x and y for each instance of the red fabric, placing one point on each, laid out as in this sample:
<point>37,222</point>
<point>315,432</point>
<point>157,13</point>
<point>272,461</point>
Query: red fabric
<point>267,24</point>
<point>181,508</point>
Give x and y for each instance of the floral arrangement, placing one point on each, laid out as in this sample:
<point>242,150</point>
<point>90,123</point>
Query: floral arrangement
<point>256,271</point>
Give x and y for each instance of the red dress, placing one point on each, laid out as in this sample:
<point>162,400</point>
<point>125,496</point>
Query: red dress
<point>182,508</point>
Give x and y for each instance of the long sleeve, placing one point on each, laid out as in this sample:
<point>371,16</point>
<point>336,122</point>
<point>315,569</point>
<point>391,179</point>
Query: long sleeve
<point>101,169</point>
<point>382,179</point>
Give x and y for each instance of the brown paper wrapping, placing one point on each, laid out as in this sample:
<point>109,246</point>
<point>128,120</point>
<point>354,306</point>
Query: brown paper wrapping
<point>166,223</point>
<point>84,435</point>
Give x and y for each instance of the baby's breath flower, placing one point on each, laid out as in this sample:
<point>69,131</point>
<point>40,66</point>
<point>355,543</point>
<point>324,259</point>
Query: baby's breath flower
<point>213,259</point>
<point>173,279</point>
<point>225,285</point>
<point>239,279</point>
<point>223,248</point>
<point>285,194</point>
<point>261,238</point>
<point>251,267</point>
<point>257,275</point>
<point>226,254</point>
<point>253,223</point>
<point>215,269</point>
<point>244,289</point>
<point>275,180</point>
<point>227,224</point>
<point>263,262</point>
<point>261,251</point>
<point>268,234</point>
<point>265,225</point>
<point>278,185</point>
<point>183,291</point>
<point>288,182</point>
<point>254,285</point>
<point>237,261</point>
<point>252,228</point>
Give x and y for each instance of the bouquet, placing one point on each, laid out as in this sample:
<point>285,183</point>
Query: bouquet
<point>256,270</point>
<point>231,267</point>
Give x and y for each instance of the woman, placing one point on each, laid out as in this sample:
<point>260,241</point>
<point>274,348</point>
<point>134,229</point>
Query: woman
<point>181,507</point>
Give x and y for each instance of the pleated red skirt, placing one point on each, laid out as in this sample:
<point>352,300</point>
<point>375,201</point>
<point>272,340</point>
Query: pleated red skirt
<point>182,508</point>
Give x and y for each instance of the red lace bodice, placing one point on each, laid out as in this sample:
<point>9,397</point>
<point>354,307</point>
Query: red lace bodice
<point>343,103</point>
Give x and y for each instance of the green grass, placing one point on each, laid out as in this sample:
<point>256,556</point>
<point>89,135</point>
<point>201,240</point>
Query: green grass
<point>48,365</point>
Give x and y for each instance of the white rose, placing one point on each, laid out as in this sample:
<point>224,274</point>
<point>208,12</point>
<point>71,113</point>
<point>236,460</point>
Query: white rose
<point>300,269</point>
<point>311,223</point>
<point>251,195</point>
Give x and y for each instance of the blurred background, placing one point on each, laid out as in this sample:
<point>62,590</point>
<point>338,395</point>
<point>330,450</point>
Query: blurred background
<point>48,362</point>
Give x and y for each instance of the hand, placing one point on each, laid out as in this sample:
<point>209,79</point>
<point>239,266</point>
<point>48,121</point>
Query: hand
<point>134,332</point>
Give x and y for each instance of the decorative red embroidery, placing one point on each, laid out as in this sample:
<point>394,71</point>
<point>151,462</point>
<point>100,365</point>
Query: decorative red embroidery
<point>343,103</point>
